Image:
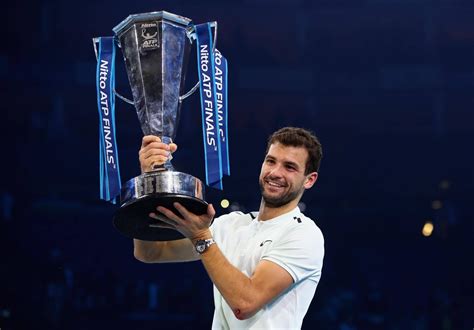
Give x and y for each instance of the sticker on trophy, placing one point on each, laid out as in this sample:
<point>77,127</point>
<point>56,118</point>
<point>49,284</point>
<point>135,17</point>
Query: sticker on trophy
<point>149,34</point>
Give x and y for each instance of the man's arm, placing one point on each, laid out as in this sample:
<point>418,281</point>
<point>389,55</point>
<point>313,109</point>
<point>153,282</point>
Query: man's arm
<point>245,295</point>
<point>166,251</point>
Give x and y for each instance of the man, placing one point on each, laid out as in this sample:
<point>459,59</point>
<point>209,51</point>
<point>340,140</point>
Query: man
<point>265,266</point>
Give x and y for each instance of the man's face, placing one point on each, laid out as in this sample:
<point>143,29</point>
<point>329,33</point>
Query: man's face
<point>282,177</point>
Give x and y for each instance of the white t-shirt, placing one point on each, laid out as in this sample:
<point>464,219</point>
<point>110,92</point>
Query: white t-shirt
<point>292,241</point>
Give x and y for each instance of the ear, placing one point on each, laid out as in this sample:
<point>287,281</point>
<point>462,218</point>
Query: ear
<point>311,179</point>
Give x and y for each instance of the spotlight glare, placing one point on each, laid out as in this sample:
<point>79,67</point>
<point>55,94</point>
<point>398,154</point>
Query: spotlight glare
<point>225,203</point>
<point>427,229</point>
<point>436,205</point>
<point>445,184</point>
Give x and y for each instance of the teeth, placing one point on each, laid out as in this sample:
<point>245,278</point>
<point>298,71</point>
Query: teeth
<point>273,184</point>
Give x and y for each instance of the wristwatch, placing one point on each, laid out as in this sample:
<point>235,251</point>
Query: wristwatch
<point>202,245</point>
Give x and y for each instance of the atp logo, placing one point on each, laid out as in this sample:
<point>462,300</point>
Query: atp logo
<point>146,35</point>
<point>149,34</point>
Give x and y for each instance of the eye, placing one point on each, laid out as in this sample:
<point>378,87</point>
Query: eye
<point>269,161</point>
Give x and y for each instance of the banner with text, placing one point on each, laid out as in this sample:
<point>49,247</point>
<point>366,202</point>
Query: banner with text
<point>213,90</point>
<point>110,184</point>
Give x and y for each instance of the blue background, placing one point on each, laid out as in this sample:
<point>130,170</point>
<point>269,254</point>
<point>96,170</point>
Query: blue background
<point>387,85</point>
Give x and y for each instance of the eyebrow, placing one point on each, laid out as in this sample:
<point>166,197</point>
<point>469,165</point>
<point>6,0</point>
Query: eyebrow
<point>295,165</point>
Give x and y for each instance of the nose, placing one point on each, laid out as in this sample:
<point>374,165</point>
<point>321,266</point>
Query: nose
<point>276,171</point>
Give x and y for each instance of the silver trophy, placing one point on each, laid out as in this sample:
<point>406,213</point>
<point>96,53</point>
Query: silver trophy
<point>156,48</point>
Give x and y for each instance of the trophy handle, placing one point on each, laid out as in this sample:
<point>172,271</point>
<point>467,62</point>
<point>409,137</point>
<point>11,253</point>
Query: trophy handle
<point>192,36</point>
<point>95,41</point>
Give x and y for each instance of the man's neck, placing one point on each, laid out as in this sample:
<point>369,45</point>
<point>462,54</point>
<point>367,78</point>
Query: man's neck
<point>266,213</point>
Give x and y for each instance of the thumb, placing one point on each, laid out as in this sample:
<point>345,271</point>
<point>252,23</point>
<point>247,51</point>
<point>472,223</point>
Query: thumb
<point>173,147</point>
<point>210,211</point>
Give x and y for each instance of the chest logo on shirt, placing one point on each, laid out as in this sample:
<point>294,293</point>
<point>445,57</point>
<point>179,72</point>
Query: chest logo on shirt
<point>297,219</point>
<point>267,241</point>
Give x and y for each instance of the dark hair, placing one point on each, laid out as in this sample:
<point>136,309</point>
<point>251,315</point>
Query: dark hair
<point>300,137</point>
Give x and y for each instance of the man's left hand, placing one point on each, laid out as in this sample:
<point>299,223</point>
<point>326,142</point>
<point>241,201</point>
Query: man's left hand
<point>192,226</point>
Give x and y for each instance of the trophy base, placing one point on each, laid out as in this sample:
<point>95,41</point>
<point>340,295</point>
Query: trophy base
<point>143,194</point>
<point>133,221</point>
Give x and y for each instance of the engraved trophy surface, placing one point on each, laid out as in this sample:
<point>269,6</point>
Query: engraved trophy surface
<point>156,48</point>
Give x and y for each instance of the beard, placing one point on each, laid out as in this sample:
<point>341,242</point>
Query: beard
<point>280,200</point>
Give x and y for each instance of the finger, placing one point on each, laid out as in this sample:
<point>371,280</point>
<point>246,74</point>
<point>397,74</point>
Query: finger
<point>152,165</point>
<point>162,221</point>
<point>173,147</point>
<point>163,217</point>
<point>182,210</point>
<point>154,146</point>
<point>169,214</point>
<point>162,225</point>
<point>156,161</point>
<point>159,145</point>
<point>146,164</point>
<point>148,139</point>
<point>155,152</point>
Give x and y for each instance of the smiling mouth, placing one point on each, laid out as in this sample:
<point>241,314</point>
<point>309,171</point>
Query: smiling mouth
<point>274,184</point>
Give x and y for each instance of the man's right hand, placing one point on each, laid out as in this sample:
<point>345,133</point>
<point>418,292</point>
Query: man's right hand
<point>153,152</point>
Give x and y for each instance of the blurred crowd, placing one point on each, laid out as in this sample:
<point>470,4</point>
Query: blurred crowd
<point>51,293</point>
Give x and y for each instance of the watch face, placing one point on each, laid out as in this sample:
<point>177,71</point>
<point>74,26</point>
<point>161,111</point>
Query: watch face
<point>200,246</point>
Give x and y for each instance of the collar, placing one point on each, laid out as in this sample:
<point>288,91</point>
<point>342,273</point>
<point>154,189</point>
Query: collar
<point>288,215</point>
